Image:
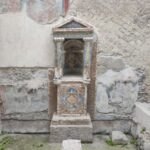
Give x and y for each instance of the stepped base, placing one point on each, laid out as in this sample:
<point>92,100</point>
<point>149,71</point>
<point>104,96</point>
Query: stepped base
<point>65,127</point>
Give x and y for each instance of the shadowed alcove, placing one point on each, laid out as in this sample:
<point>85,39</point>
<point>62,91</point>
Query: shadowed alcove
<point>73,57</point>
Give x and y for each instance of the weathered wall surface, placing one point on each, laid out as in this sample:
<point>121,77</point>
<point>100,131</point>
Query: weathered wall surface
<point>24,97</point>
<point>123,29</point>
<point>117,93</point>
<point>27,53</point>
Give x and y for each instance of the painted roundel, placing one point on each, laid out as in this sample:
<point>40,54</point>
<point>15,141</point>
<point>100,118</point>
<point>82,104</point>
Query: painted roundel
<point>72,100</point>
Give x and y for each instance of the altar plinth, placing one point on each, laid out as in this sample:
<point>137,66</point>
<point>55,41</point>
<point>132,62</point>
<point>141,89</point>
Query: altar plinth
<point>65,127</point>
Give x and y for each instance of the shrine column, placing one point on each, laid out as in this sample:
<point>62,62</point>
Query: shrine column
<point>87,57</point>
<point>59,57</point>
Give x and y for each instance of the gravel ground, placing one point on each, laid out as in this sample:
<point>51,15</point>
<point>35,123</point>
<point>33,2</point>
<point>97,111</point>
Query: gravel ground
<point>40,142</point>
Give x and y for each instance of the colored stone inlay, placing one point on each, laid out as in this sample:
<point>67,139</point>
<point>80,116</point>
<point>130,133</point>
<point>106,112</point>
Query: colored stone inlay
<point>71,98</point>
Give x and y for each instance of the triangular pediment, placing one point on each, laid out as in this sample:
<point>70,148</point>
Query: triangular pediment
<point>73,24</point>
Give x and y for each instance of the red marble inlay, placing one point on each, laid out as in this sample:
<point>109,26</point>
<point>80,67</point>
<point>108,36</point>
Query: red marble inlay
<point>66,5</point>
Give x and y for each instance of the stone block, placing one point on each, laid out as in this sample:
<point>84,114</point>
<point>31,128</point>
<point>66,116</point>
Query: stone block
<point>71,145</point>
<point>119,137</point>
<point>71,127</point>
<point>10,6</point>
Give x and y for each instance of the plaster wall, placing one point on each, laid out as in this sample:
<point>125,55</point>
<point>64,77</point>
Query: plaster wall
<point>25,43</point>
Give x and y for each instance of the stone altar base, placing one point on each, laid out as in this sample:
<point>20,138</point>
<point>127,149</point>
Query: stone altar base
<point>65,127</point>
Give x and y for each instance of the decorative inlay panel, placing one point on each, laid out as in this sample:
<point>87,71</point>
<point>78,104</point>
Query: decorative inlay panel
<point>71,98</point>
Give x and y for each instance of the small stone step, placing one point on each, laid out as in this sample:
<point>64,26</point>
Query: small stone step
<point>71,145</point>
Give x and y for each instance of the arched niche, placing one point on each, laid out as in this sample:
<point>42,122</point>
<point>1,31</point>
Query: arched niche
<point>73,57</point>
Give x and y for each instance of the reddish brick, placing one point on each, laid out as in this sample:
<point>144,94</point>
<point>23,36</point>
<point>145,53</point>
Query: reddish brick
<point>92,85</point>
<point>52,94</point>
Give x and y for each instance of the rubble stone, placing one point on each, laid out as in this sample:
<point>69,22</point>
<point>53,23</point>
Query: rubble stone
<point>119,137</point>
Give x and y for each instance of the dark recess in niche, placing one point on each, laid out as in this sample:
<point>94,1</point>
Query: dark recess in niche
<point>73,57</point>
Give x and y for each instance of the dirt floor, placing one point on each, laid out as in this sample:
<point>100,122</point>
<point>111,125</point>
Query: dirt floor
<point>40,142</point>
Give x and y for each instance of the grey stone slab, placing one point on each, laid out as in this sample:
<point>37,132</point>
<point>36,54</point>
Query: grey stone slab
<point>71,145</point>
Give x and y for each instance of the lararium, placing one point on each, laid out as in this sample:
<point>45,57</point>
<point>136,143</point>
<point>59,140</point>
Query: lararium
<point>73,40</point>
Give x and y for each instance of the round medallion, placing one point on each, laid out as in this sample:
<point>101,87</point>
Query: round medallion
<point>72,100</point>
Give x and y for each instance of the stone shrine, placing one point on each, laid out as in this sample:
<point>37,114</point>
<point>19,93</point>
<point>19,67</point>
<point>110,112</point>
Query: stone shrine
<point>73,41</point>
